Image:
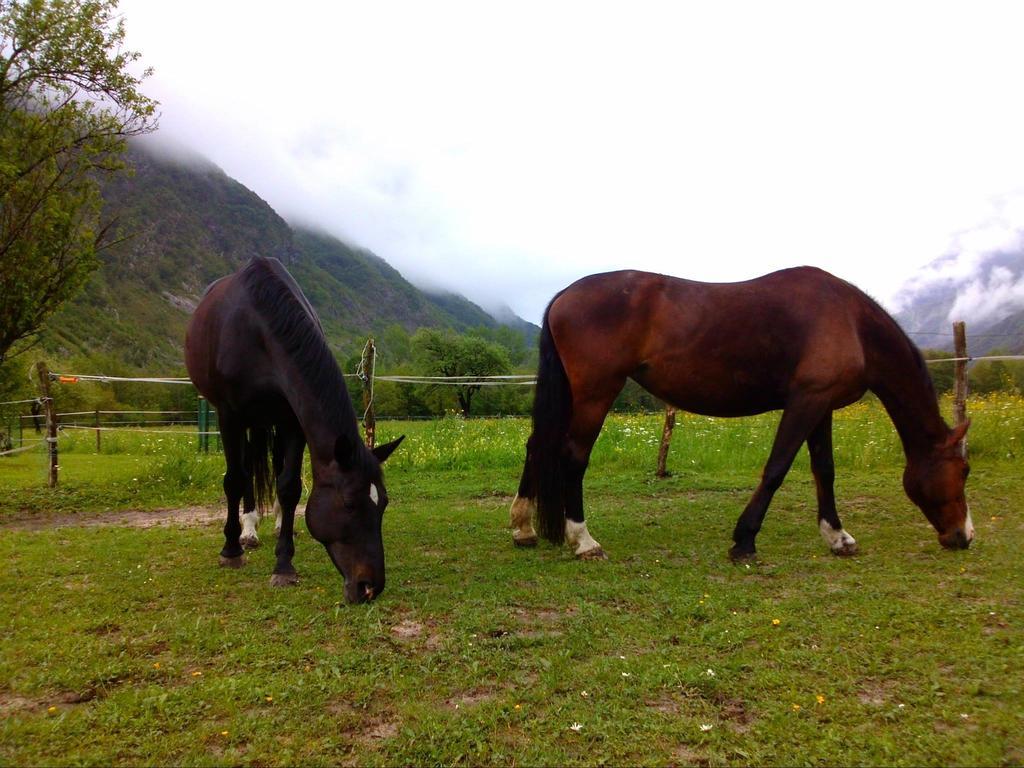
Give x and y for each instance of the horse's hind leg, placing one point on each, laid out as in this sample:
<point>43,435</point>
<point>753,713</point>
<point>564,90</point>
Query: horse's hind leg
<point>819,445</point>
<point>798,419</point>
<point>289,488</point>
<point>524,505</point>
<point>587,419</point>
<point>278,456</point>
<point>236,480</point>
<point>250,517</point>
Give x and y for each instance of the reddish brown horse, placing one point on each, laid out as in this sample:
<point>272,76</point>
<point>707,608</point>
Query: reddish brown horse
<point>256,351</point>
<point>799,340</point>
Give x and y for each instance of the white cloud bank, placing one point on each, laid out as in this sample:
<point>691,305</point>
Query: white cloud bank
<point>505,150</point>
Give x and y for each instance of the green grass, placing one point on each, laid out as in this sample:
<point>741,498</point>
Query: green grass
<point>131,646</point>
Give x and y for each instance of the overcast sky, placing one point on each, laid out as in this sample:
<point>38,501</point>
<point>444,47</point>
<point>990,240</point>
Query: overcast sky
<point>504,150</point>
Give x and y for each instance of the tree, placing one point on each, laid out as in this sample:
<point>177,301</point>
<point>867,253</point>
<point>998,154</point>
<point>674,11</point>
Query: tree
<point>68,103</point>
<point>445,354</point>
<point>942,374</point>
<point>988,376</point>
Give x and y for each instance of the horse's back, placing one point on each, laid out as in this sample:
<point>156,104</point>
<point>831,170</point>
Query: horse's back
<point>715,348</point>
<point>227,344</point>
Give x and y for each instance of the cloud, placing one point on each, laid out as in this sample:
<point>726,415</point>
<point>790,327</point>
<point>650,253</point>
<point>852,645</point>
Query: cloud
<point>989,298</point>
<point>972,265</point>
<point>504,151</point>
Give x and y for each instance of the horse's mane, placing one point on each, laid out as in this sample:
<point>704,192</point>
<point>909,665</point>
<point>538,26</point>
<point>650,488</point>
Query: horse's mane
<point>299,333</point>
<point>888,332</point>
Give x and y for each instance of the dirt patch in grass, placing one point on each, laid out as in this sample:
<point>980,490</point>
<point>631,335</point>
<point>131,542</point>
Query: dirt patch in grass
<point>106,629</point>
<point>469,698</point>
<point>688,754</point>
<point>667,704</point>
<point>380,730</point>
<point>410,632</point>
<point>735,712</point>
<point>876,693</point>
<point>129,518</point>
<point>11,704</point>
<point>364,726</point>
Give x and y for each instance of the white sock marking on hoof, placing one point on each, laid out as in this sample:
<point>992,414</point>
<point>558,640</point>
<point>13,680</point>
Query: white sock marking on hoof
<point>521,519</point>
<point>249,537</point>
<point>579,538</point>
<point>837,540</point>
<point>277,517</point>
<point>969,525</point>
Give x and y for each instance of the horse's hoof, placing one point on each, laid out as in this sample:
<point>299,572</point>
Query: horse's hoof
<point>738,555</point>
<point>846,550</point>
<point>592,554</point>
<point>232,562</point>
<point>526,541</point>
<point>249,542</point>
<point>284,579</point>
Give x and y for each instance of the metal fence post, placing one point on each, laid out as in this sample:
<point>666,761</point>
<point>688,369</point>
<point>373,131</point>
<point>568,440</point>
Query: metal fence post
<point>202,421</point>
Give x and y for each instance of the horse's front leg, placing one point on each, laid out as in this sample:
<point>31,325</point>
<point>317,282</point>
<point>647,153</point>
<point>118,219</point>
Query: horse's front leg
<point>798,419</point>
<point>250,538</point>
<point>289,488</point>
<point>819,445</point>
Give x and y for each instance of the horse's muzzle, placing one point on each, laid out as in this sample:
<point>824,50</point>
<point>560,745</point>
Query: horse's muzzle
<point>958,539</point>
<point>361,589</point>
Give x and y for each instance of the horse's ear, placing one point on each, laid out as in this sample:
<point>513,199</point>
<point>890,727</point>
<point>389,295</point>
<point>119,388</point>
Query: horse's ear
<point>383,451</point>
<point>956,434</point>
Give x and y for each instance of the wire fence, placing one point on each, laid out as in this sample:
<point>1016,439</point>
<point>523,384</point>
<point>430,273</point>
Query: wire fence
<point>172,422</point>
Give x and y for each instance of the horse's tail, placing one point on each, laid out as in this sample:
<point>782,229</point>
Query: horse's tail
<point>258,446</point>
<point>552,412</point>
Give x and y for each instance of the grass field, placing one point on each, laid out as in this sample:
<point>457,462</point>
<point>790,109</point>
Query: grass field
<point>130,646</point>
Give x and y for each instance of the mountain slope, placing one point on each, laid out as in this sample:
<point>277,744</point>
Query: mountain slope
<point>183,225</point>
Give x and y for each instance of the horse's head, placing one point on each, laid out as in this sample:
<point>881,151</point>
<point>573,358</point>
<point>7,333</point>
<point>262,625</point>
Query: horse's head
<point>345,515</point>
<point>935,483</point>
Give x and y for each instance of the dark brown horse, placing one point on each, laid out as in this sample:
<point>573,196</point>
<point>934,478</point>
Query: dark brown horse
<point>799,340</point>
<point>256,351</point>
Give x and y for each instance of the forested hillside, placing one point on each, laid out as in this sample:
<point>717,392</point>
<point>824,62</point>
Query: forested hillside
<point>182,224</point>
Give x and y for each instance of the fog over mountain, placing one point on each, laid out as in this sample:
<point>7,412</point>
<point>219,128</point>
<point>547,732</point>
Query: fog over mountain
<point>980,280</point>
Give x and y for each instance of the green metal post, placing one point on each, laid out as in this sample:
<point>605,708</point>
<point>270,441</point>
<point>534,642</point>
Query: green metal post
<point>203,422</point>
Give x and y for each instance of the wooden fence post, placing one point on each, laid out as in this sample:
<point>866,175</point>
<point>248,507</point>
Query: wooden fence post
<point>666,440</point>
<point>960,373</point>
<point>366,365</point>
<point>51,419</point>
